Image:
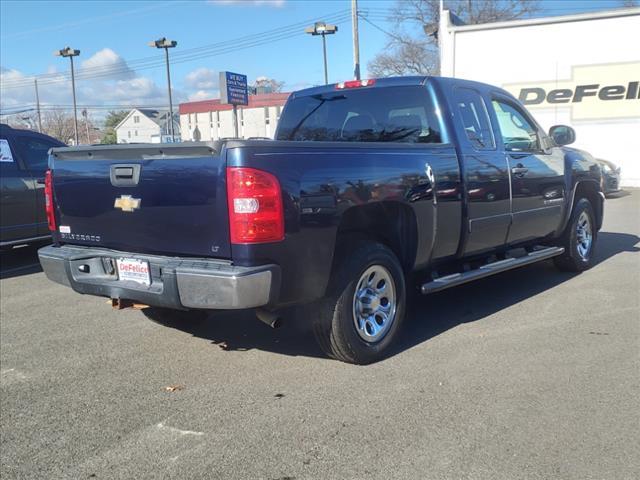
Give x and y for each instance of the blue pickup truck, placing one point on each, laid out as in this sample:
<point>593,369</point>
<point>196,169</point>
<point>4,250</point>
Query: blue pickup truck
<point>370,188</point>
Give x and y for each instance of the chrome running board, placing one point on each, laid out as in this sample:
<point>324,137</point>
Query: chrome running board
<point>490,269</point>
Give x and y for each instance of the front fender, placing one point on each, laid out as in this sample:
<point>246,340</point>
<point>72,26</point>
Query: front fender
<point>584,176</point>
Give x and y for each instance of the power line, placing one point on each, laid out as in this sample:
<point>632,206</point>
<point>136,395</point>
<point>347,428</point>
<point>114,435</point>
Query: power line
<point>18,110</point>
<point>149,62</point>
<point>186,55</point>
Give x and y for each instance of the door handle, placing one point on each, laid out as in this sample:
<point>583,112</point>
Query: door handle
<point>519,171</point>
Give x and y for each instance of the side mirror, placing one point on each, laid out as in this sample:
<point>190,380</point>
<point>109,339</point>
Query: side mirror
<point>562,134</point>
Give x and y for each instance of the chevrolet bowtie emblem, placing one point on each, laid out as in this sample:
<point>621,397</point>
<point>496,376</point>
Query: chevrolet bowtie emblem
<point>127,203</point>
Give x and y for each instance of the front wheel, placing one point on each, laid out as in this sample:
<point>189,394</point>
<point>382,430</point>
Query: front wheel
<point>578,239</point>
<point>361,316</point>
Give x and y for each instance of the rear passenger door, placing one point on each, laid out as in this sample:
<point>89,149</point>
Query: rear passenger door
<point>17,197</point>
<point>34,152</point>
<point>486,173</point>
<point>537,172</point>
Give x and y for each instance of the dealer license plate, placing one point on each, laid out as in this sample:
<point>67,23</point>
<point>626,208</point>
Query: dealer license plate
<point>133,270</point>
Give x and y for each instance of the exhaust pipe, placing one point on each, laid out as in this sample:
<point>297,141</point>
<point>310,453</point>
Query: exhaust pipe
<point>270,318</point>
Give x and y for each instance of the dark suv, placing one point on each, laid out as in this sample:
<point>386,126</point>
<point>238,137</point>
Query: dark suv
<point>23,162</point>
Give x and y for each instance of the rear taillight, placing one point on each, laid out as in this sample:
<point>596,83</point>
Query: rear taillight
<point>255,206</point>
<point>355,84</point>
<point>48,201</point>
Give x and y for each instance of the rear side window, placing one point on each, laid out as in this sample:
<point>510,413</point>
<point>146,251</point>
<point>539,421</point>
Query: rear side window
<point>34,152</point>
<point>393,114</point>
<point>6,155</point>
<point>7,160</point>
<point>474,117</point>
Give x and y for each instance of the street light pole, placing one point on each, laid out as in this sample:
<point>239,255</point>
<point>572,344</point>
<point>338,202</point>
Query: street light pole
<point>173,135</point>
<point>75,108</point>
<point>321,28</point>
<point>167,44</point>
<point>324,54</point>
<point>70,52</point>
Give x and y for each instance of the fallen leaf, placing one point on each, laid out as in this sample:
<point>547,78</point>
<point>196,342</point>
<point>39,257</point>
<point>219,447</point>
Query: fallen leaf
<point>174,388</point>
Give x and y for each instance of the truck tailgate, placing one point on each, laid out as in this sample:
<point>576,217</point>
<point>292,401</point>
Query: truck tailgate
<point>164,199</point>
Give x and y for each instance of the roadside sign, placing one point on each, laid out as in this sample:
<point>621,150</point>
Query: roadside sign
<point>233,88</point>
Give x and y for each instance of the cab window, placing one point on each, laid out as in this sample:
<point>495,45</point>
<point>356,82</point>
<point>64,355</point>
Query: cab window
<point>34,152</point>
<point>474,117</point>
<point>399,114</point>
<point>518,133</point>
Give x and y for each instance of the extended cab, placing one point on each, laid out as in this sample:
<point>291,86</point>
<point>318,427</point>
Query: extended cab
<point>370,186</point>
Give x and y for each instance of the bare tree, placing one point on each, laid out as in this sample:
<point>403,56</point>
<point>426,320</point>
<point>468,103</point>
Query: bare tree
<point>410,50</point>
<point>23,121</point>
<point>58,124</point>
<point>408,56</point>
<point>268,85</point>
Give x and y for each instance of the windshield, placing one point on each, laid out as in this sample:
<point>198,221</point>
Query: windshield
<point>392,114</point>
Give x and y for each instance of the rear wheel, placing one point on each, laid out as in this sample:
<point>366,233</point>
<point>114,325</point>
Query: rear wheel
<point>578,239</point>
<point>360,318</point>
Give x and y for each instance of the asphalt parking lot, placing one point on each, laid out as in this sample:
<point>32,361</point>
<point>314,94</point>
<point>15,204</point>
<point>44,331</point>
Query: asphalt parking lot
<point>529,374</point>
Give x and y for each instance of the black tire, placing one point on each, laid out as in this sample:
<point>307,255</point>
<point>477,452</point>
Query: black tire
<point>572,260</point>
<point>169,317</point>
<point>334,320</point>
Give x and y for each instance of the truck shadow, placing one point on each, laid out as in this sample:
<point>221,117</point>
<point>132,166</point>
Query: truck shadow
<point>427,316</point>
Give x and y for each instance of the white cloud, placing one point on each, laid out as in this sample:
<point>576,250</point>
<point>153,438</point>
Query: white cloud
<point>202,79</point>
<point>103,79</point>
<point>134,91</point>
<point>269,3</point>
<point>116,85</point>
<point>204,95</point>
<point>107,64</point>
<point>18,90</point>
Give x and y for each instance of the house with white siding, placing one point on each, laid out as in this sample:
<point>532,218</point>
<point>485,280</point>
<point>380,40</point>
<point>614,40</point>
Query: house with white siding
<point>143,125</point>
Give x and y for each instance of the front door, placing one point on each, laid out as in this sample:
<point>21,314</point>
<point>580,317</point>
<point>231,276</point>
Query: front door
<point>537,173</point>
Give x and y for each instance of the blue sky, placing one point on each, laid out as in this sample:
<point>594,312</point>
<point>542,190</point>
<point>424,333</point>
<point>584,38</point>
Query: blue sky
<point>115,34</point>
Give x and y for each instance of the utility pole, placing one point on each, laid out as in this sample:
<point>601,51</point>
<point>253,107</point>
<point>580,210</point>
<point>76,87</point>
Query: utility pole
<point>70,52</point>
<point>356,41</point>
<point>167,44</point>
<point>35,80</point>
<point>321,28</point>
<point>85,114</point>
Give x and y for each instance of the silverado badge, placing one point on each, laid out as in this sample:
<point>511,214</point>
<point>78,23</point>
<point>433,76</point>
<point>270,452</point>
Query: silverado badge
<point>127,203</point>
